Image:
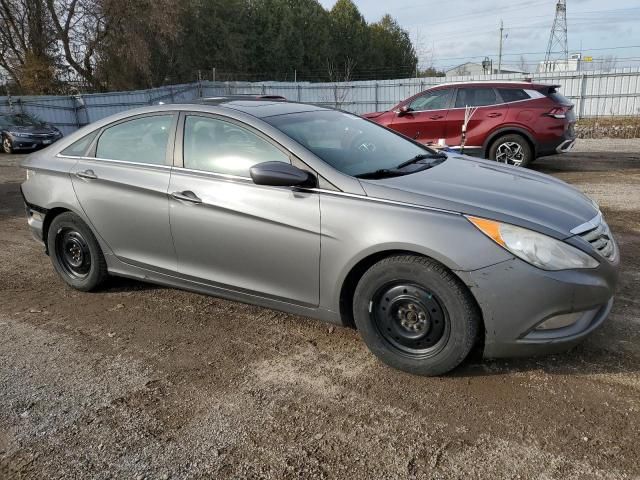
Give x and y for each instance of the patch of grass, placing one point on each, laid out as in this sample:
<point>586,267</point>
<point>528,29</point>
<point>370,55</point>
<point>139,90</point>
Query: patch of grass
<point>608,127</point>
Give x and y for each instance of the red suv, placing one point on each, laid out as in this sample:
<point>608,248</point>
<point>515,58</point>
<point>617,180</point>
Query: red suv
<point>515,122</point>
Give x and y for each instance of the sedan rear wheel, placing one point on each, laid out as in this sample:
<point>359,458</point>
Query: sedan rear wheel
<point>7,147</point>
<point>75,252</point>
<point>415,315</point>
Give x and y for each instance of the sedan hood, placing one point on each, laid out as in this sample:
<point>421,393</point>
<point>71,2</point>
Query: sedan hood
<point>490,190</point>
<point>37,129</point>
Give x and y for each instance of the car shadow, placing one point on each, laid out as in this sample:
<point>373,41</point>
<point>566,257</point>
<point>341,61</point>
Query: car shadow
<point>11,203</point>
<point>584,359</point>
<point>115,284</point>
<point>586,162</point>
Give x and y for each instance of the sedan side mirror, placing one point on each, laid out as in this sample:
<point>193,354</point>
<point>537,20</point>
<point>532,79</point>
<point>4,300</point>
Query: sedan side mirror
<point>280,174</point>
<point>403,110</point>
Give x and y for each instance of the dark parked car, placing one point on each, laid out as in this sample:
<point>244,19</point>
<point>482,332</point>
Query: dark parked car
<point>22,132</point>
<point>515,123</point>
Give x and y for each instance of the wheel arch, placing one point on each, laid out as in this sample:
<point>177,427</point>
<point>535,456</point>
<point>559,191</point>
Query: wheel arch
<point>509,130</point>
<point>58,209</point>
<point>46,223</point>
<point>356,272</point>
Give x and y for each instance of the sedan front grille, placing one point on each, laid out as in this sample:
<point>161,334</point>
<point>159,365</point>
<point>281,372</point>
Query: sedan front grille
<point>42,135</point>
<point>600,239</point>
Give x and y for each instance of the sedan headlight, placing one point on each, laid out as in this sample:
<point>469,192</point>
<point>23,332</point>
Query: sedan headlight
<point>19,134</point>
<point>533,247</point>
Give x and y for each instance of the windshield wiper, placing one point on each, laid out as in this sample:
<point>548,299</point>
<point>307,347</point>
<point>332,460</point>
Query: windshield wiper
<point>396,172</point>
<point>383,172</point>
<point>422,156</point>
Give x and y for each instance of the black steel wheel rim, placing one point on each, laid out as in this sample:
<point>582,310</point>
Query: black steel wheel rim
<point>411,319</point>
<point>73,253</point>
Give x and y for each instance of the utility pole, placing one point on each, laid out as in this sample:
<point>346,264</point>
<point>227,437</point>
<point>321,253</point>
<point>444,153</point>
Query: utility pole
<point>295,76</point>
<point>213,74</point>
<point>557,48</point>
<point>500,47</point>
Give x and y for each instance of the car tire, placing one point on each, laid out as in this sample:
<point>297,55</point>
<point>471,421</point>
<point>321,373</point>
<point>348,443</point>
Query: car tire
<point>7,147</point>
<point>75,252</point>
<point>415,315</point>
<point>511,149</point>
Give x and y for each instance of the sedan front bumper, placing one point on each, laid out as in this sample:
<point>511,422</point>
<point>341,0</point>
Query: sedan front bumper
<point>32,143</point>
<point>517,298</point>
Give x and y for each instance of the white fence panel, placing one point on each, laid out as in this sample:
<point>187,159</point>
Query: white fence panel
<point>615,93</point>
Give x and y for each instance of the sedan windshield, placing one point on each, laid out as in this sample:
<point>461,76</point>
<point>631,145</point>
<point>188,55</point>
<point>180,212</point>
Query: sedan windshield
<point>18,120</point>
<point>353,145</point>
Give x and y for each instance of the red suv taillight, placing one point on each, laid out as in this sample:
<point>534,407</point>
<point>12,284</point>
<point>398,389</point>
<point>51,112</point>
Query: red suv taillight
<point>558,112</point>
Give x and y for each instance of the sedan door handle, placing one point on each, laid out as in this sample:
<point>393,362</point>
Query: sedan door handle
<point>436,117</point>
<point>88,174</point>
<point>494,115</point>
<point>186,196</point>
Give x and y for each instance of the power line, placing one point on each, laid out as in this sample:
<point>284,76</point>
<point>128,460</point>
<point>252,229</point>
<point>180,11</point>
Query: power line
<point>540,53</point>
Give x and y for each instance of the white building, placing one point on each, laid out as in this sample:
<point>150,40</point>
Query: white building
<point>473,68</point>
<point>570,65</point>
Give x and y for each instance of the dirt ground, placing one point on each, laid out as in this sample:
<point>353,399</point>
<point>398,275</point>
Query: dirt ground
<point>139,381</point>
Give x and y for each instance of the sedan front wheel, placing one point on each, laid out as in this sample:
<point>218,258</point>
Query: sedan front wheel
<point>7,146</point>
<point>415,315</point>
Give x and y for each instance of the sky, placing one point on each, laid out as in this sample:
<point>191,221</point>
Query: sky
<point>450,32</point>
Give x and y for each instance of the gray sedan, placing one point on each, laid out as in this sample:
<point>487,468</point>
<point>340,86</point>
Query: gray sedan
<point>321,213</point>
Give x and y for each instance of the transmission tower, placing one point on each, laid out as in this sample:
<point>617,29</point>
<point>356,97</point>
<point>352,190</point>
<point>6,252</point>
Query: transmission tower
<point>557,48</point>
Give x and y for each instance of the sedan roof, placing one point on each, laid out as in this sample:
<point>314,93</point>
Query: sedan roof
<point>262,109</point>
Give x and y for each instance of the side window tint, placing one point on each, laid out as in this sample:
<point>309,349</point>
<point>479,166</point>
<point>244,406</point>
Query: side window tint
<point>435,100</point>
<point>79,147</point>
<point>218,146</point>
<point>513,94</point>
<point>475,97</point>
<point>143,140</point>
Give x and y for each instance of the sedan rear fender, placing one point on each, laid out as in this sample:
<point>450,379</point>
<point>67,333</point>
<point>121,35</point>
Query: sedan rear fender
<point>49,187</point>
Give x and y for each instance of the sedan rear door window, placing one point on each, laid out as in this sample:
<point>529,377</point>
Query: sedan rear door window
<point>475,97</point>
<point>142,140</point>
<point>80,147</point>
<point>218,146</point>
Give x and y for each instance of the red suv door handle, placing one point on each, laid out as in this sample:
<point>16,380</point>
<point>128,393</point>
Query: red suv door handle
<point>494,114</point>
<point>436,117</point>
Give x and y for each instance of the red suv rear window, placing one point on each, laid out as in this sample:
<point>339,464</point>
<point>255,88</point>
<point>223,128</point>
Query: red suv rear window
<point>513,94</point>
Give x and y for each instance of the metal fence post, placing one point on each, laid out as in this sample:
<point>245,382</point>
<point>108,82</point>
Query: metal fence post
<point>581,95</point>
<point>376,94</point>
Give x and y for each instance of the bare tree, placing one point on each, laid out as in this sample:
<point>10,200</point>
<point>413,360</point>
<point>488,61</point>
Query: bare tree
<point>26,45</point>
<point>608,63</point>
<point>522,64</point>
<point>13,41</point>
<point>341,75</point>
<point>80,27</point>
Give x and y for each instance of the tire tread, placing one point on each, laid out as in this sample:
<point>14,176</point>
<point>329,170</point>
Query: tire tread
<point>471,311</point>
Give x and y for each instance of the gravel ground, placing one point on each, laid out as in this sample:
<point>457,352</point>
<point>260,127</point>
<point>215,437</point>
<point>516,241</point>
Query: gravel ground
<point>139,381</point>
